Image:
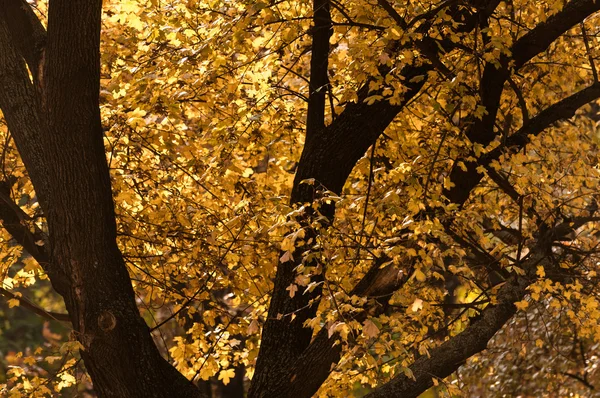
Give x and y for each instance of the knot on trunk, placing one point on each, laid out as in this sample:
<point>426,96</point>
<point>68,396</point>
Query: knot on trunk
<point>107,321</point>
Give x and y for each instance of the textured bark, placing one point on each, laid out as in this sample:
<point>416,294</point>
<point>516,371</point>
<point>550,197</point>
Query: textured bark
<point>329,155</point>
<point>312,368</point>
<point>283,337</point>
<point>58,133</point>
<point>319,62</point>
<point>444,360</point>
<point>329,158</point>
<point>28,32</point>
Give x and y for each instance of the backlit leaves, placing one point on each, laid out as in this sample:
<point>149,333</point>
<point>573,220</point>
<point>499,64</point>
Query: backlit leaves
<point>204,108</point>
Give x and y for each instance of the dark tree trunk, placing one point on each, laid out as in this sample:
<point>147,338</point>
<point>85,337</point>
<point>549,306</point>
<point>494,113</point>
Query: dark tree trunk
<point>56,126</point>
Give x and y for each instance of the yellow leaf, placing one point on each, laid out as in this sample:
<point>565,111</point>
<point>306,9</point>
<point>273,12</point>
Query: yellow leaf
<point>293,288</point>
<point>521,305</point>
<point>247,172</point>
<point>540,271</point>
<point>287,256</point>
<point>420,276</point>
<point>13,302</point>
<point>226,375</point>
<point>66,380</point>
<point>29,361</point>
<point>417,305</point>
<point>52,359</point>
<point>253,327</point>
<point>539,343</point>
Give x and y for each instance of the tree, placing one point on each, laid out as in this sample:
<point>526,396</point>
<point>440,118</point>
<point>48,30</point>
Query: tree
<point>446,182</point>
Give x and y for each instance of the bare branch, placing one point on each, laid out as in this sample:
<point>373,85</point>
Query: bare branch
<point>586,41</point>
<point>26,303</point>
<point>393,13</point>
<point>521,99</point>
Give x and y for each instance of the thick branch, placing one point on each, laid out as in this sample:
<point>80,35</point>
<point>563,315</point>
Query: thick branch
<point>314,365</point>
<point>539,38</point>
<point>280,326</point>
<point>445,359</point>
<point>18,104</point>
<point>562,110</point>
<point>27,33</point>
<point>393,13</point>
<point>492,86</point>
<point>530,45</point>
<point>15,222</point>
<point>448,357</point>
<point>59,135</point>
<point>328,157</point>
<point>465,180</point>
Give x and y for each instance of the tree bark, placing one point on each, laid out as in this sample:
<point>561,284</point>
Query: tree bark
<point>58,133</point>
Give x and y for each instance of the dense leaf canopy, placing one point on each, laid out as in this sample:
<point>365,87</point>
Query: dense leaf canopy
<point>330,198</point>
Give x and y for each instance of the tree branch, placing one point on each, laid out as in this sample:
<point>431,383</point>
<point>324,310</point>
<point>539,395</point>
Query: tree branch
<point>328,157</point>
<point>17,102</point>
<point>465,180</point>
<point>27,33</point>
<point>278,327</point>
<point>393,13</point>
<point>448,357</point>
<point>14,221</point>
<point>26,303</point>
<point>538,39</point>
<point>59,136</point>
<point>562,110</point>
<point>319,62</point>
<point>313,367</point>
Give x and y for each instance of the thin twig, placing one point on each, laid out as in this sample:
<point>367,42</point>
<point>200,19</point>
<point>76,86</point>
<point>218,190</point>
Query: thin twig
<point>27,304</point>
<point>589,53</point>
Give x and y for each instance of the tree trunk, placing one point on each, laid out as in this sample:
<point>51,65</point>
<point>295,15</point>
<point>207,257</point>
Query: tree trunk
<point>56,126</point>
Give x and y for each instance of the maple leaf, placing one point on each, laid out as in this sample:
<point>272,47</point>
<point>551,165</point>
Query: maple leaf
<point>370,329</point>
<point>226,375</point>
